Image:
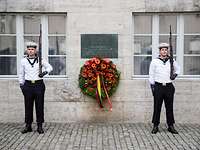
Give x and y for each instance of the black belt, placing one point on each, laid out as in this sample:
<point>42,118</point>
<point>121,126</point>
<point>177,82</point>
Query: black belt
<point>34,81</point>
<point>163,84</point>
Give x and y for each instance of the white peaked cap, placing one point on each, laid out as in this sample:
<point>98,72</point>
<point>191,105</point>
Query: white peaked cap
<point>31,44</point>
<point>162,45</point>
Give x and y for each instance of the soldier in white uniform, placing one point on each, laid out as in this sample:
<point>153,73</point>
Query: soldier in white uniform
<point>162,87</point>
<point>33,87</point>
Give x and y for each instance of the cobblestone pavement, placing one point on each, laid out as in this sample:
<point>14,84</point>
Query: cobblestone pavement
<point>99,136</point>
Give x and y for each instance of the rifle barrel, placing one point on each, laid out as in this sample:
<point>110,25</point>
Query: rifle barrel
<point>40,50</point>
<point>171,54</point>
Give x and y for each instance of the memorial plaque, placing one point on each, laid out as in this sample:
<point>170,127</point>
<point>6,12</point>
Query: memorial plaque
<point>101,45</point>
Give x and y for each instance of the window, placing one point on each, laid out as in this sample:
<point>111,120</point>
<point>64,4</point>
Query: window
<point>151,29</point>
<point>31,28</point>
<point>8,53</point>
<point>142,44</point>
<point>191,44</point>
<point>57,44</point>
<point>16,30</point>
<point>164,27</point>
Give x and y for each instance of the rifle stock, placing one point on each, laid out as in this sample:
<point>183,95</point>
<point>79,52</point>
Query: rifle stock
<point>40,50</point>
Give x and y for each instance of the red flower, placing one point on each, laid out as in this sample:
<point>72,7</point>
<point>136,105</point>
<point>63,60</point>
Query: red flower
<point>94,78</point>
<point>103,66</point>
<point>90,74</point>
<point>93,66</point>
<point>97,61</point>
<point>83,74</point>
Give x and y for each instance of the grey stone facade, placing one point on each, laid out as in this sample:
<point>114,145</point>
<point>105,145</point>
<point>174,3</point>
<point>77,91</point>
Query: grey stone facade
<point>133,100</point>
<point>131,103</point>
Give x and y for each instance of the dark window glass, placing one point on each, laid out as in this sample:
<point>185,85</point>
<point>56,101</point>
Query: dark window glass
<point>7,45</point>
<point>192,44</point>
<point>57,45</point>
<point>31,24</point>
<point>164,23</point>
<point>8,66</point>
<point>56,24</point>
<point>142,45</point>
<point>7,24</point>
<point>142,24</point>
<point>192,23</point>
<point>192,65</point>
<point>58,64</point>
<point>141,64</point>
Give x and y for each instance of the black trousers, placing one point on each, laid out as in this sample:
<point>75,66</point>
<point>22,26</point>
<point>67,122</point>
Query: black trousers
<point>34,92</point>
<point>165,93</point>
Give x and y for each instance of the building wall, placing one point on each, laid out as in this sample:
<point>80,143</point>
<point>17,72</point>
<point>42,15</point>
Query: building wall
<point>133,101</point>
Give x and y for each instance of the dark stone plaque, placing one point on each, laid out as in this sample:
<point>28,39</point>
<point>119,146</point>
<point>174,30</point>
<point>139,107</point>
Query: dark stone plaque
<point>101,45</point>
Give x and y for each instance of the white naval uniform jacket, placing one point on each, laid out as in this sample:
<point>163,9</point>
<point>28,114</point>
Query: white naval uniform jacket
<point>31,72</point>
<point>160,71</point>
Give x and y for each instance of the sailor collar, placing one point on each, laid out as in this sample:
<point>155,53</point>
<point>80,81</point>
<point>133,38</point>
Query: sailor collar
<point>164,60</point>
<point>32,63</point>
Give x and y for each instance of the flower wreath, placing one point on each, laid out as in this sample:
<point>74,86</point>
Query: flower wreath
<point>99,79</point>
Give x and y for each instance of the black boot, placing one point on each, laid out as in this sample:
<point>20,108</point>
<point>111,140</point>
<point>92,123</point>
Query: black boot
<point>27,128</point>
<point>172,129</point>
<point>155,129</point>
<point>39,129</point>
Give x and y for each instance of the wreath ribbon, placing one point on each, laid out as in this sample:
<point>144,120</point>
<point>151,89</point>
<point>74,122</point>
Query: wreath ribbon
<point>100,85</point>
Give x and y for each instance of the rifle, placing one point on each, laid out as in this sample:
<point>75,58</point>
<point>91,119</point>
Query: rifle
<point>171,55</point>
<point>40,50</point>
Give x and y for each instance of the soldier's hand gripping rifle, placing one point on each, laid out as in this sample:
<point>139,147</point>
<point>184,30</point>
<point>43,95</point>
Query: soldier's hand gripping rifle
<point>41,74</point>
<point>172,74</point>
